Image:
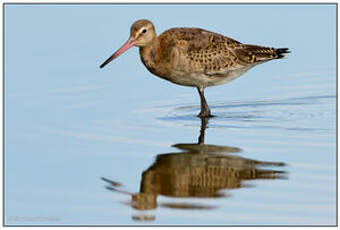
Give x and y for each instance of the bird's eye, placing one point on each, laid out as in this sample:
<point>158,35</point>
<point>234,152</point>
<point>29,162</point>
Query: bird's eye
<point>144,31</point>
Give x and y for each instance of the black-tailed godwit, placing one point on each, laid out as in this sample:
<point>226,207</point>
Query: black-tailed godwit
<point>194,57</point>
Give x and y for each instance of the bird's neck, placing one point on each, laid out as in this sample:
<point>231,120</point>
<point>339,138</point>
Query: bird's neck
<point>150,55</point>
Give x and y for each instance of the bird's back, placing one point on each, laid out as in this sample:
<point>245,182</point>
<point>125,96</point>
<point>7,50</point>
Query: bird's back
<point>193,49</point>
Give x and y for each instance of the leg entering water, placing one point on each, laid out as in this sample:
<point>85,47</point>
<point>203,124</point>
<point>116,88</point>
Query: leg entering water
<point>205,111</point>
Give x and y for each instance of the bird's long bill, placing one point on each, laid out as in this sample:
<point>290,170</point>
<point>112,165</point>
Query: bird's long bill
<point>127,45</point>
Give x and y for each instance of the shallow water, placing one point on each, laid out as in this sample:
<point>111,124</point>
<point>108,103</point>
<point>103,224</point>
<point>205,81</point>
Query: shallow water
<point>116,146</point>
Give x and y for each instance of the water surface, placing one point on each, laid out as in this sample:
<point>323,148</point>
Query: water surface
<point>118,146</point>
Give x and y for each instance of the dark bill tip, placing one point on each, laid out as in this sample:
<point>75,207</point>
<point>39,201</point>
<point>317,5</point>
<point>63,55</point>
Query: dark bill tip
<point>127,45</point>
<point>107,61</point>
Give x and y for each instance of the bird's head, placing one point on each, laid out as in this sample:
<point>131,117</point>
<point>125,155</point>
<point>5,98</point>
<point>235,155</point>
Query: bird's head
<point>142,33</point>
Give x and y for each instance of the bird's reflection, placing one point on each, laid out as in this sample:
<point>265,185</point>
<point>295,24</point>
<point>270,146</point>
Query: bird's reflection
<point>199,170</point>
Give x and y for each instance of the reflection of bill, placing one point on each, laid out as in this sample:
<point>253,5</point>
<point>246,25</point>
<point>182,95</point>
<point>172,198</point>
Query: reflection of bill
<point>199,170</point>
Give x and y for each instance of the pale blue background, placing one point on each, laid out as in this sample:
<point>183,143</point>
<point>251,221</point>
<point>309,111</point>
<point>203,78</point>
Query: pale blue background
<point>67,122</point>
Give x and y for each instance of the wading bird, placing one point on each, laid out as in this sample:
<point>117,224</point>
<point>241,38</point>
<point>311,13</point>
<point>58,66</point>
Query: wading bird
<point>194,57</point>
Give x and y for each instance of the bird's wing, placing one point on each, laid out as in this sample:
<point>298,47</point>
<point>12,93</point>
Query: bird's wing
<point>214,53</point>
<point>204,50</point>
<point>235,56</point>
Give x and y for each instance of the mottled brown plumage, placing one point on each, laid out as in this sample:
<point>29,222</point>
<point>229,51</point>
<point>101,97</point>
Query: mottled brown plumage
<point>195,57</point>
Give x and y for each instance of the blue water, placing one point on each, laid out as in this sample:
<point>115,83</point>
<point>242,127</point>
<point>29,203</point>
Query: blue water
<point>268,157</point>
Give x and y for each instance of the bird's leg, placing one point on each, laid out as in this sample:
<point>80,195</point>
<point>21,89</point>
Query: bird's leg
<point>205,111</point>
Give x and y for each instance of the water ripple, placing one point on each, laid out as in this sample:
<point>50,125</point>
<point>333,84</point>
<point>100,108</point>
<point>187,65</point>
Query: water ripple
<point>293,114</point>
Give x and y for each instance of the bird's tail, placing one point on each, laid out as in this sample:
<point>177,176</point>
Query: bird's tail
<point>280,52</point>
<point>258,54</point>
